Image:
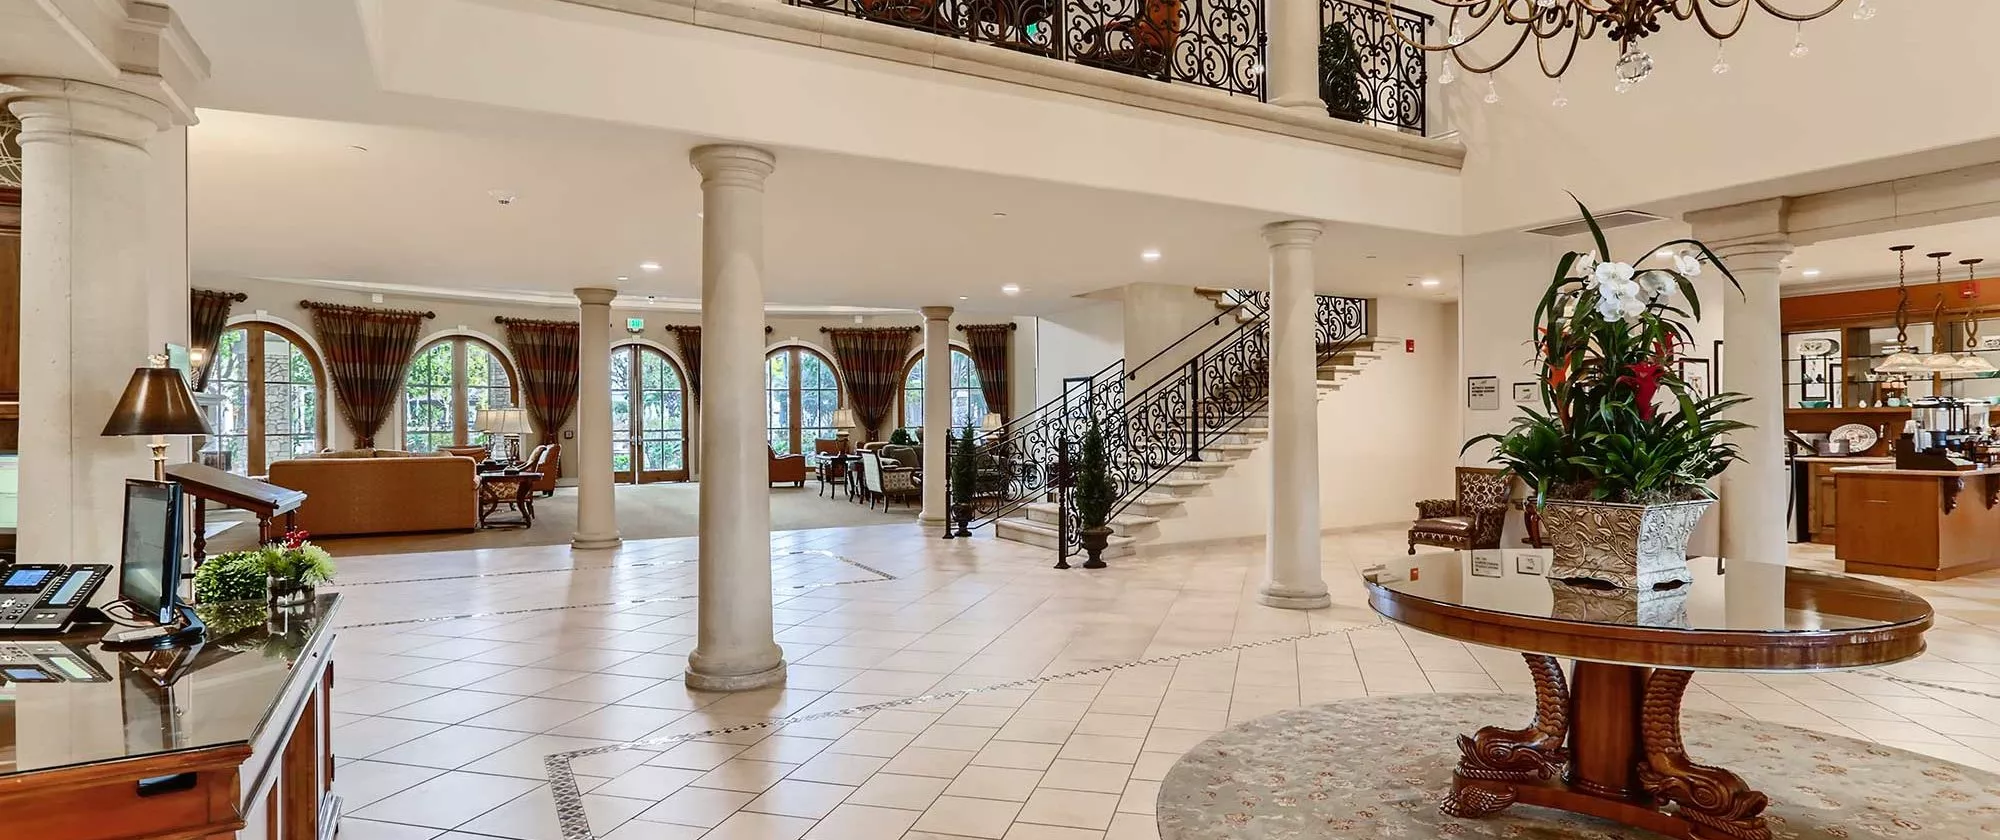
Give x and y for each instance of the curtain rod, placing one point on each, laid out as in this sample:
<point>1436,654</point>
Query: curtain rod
<point>341,307</point>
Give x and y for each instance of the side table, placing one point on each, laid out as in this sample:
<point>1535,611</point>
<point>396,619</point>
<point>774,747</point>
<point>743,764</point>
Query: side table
<point>515,490</point>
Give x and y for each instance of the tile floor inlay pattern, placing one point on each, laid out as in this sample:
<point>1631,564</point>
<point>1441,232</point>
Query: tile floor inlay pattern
<point>968,691</point>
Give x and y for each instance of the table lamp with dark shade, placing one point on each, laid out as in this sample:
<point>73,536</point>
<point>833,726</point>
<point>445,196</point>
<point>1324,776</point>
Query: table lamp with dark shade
<point>156,402</point>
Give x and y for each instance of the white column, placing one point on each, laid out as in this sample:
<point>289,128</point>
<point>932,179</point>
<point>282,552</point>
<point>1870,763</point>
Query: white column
<point>1754,489</point>
<point>1294,55</point>
<point>84,249</point>
<point>734,649</point>
<point>596,500</point>
<point>1292,574</point>
<point>937,410</point>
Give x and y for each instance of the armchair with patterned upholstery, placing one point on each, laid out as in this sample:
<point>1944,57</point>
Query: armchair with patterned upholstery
<point>880,481</point>
<point>1472,520</point>
<point>547,460</point>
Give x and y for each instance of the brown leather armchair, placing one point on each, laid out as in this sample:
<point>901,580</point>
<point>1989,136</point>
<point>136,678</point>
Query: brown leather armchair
<point>787,469</point>
<point>547,460</point>
<point>1472,520</point>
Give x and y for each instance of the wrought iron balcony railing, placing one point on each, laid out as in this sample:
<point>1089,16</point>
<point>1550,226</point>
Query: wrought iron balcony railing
<point>1215,44</point>
<point>1389,77</point>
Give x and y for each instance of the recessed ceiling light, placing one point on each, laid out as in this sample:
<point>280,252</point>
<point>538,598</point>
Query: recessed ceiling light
<point>357,148</point>
<point>622,278</point>
<point>1150,255</point>
<point>1430,282</point>
<point>1810,272</point>
<point>999,215</point>
<point>649,265</point>
<point>963,297</point>
<point>1011,289</point>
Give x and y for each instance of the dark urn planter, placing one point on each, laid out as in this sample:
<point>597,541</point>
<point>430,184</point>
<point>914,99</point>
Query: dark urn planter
<point>1094,541</point>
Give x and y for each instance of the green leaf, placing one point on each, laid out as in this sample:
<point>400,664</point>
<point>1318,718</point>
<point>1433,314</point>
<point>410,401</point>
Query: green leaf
<point>1596,233</point>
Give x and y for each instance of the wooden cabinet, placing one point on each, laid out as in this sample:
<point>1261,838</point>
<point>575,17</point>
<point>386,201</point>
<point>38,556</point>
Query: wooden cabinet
<point>1823,506</point>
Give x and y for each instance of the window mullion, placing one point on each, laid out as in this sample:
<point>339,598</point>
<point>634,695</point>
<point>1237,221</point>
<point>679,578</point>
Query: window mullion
<point>253,340</point>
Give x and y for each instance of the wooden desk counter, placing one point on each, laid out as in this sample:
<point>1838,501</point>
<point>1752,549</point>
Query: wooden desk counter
<point>228,741</point>
<point>1920,524</point>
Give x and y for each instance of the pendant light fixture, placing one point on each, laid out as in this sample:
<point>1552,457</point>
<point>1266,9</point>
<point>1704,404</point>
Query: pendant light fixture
<point>1902,359</point>
<point>1972,364</point>
<point>1939,361</point>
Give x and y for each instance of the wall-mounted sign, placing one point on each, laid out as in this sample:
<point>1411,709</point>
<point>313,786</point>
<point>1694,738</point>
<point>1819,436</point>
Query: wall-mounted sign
<point>1816,347</point>
<point>635,325</point>
<point>1482,393</point>
<point>1989,342</point>
<point>1525,392</point>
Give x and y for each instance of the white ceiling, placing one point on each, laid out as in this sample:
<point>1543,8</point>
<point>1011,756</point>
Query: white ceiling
<point>277,190</point>
<point>1866,261</point>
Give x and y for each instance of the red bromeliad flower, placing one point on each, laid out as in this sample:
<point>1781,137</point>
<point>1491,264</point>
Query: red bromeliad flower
<point>1645,380</point>
<point>295,537</point>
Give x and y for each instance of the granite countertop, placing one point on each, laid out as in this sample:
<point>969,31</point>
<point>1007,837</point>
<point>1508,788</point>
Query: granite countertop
<point>1847,459</point>
<point>1877,470</point>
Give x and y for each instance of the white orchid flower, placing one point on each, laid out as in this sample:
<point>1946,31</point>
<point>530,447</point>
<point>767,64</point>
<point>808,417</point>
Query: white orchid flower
<point>1584,265</point>
<point>1610,307</point>
<point>1632,309</point>
<point>1612,272</point>
<point>1657,284</point>
<point>1688,263</point>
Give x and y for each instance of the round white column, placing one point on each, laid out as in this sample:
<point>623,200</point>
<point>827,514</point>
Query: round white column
<point>596,499</point>
<point>1292,573</point>
<point>84,326</point>
<point>937,410</point>
<point>734,649</point>
<point>1294,55</point>
<point>1754,489</point>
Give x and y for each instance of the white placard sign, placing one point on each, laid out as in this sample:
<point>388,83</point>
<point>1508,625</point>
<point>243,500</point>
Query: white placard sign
<point>1482,393</point>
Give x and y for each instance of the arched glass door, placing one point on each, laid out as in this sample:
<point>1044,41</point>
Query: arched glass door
<point>648,416</point>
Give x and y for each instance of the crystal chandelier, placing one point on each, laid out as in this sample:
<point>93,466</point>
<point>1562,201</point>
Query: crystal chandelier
<point>1904,359</point>
<point>1558,26</point>
<point>1972,364</point>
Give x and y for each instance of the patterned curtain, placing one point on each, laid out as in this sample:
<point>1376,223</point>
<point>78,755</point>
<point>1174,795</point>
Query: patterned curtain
<point>548,356</point>
<point>872,360</point>
<point>689,341</point>
<point>989,343</point>
<point>208,314</point>
<point>367,352</point>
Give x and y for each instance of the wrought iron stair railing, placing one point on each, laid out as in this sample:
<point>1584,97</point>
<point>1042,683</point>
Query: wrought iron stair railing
<point>1147,435</point>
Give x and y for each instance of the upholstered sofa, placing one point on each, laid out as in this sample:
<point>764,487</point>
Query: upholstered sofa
<point>375,491</point>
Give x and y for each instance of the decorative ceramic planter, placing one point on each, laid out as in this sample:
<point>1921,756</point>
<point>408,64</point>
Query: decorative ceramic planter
<point>1627,546</point>
<point>289,593</point>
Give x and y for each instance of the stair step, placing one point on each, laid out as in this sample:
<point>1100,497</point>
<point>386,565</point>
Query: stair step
<point>1227,451</point>
<point>1181,487</point>
<point>1047,536</point>
<point>1047,513</point>
<point>1154,504</point>
<point>1199,470</point>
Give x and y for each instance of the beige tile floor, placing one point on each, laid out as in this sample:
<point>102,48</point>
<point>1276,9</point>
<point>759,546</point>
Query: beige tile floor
<point>461,673</point>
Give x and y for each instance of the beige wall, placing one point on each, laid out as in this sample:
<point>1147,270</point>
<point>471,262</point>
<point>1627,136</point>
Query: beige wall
<point>279,302</point>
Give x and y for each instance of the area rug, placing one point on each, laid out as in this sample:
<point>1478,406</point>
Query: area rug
<point>1375,767</point>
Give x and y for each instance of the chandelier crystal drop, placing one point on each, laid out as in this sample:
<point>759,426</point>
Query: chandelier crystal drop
<point>1492,93</point>
<point>1799,48</point>
<point>1557,27</point>
<point>1721,61</point>
<point>1561,101</point>
<point>1447,77</point>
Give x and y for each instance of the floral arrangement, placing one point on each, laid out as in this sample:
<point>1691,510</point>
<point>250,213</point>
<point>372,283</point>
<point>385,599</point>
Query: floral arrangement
<point>246,575</point>
<point>1607,337</point>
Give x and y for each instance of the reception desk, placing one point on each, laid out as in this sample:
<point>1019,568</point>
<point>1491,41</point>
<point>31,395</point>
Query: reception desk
<point>1920,524</point>
<point>229,740</point>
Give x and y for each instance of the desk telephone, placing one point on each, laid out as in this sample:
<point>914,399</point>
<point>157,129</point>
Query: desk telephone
<point>48,597</point>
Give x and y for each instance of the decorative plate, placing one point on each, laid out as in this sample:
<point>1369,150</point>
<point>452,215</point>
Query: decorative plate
<point>1859,438</point>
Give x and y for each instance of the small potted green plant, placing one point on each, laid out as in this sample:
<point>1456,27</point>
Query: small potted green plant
<point>232,576</point>
<point>1095,495</point>
<point>295,567</point>
<point>901,437</point>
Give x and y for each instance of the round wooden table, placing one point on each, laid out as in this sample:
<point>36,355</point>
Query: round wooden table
<point>1606,739</point>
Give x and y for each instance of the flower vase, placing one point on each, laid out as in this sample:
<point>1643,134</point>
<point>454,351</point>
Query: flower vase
<point>1625,545</point>
<point>286,592</point>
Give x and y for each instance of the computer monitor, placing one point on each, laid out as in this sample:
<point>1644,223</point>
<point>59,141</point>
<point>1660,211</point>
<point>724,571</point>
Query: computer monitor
<point>150,558</point>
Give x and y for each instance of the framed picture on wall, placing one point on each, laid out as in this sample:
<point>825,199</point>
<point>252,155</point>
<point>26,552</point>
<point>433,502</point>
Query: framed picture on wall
<point>1525,392</point>
<point>1698,374</point>
<point>1812,378</point>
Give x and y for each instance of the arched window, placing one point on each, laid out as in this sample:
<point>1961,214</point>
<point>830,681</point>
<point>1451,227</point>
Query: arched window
<point>968,402</point>
<point>652,438</point>
<point>449,381</point>
<point>801,394</point>
<point>272,389</point>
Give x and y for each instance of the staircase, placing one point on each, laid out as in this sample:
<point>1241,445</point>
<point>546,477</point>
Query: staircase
<point>1161,478</point>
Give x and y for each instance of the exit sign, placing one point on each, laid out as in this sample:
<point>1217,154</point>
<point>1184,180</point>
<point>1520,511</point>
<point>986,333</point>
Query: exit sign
<point>635,325</point>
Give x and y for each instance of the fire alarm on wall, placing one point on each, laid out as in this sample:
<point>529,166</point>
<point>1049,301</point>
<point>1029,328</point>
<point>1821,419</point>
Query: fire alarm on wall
<point>1409,345</point>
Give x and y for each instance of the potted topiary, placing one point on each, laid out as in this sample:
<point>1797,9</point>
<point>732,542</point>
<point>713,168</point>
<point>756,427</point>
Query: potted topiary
<point>1621,483</point>
<point>1340,74</point>
<point>1095,495</point>
<point>964,482</point>
<point>901,437</point>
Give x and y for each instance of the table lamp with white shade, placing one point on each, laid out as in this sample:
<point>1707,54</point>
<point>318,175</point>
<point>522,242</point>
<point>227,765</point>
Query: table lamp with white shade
<point>508,424</point>
<point>843,425</point>
<point>991,422</point>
